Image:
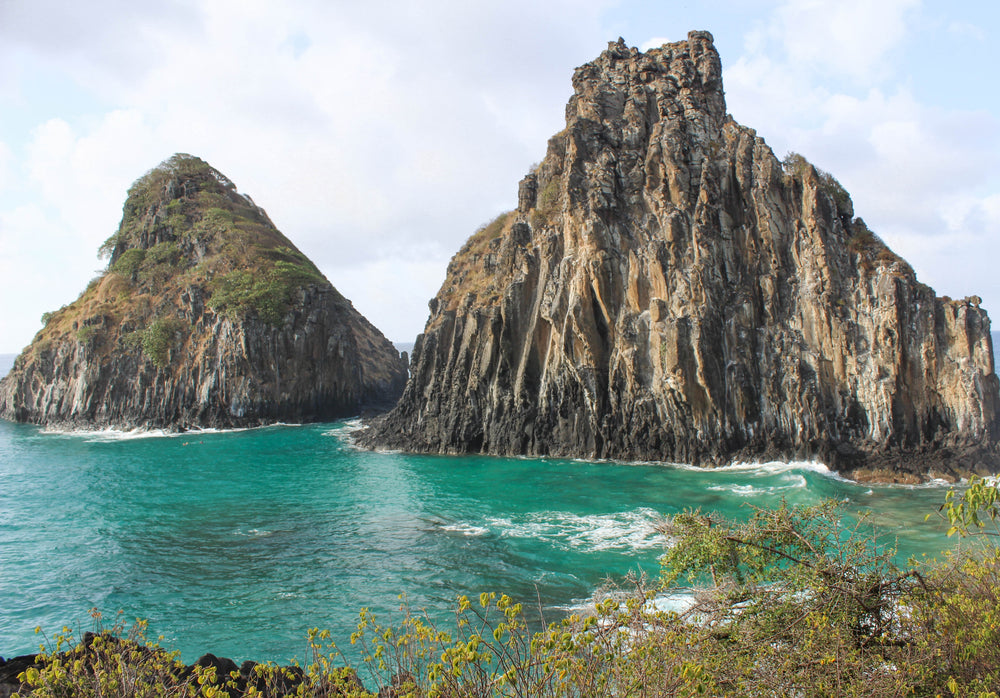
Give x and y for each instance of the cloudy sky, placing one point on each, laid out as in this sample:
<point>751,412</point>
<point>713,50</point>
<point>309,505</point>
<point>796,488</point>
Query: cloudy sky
<point>378,135</point>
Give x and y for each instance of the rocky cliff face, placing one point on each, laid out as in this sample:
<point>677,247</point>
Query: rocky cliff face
<point>667,289</point>
<point>207,316</point>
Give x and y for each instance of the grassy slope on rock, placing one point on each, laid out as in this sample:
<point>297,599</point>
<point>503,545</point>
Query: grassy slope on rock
<point>185,233</point>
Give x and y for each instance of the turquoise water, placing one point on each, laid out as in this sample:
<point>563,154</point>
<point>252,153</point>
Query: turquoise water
<point>238,542</point>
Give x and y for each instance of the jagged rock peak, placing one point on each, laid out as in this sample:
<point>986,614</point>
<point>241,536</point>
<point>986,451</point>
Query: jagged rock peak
<point>667,289</point>
<point>207,315</point>
<point>689,71</point>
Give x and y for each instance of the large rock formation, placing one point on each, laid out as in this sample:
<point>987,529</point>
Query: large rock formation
<point>207,316</point>
<point>667,289</point>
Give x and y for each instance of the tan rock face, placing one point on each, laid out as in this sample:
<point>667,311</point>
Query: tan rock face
<point>667,289</point>
<point>206,317</point>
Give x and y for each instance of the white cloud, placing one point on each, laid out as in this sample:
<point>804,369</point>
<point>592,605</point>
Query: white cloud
<point>28,233</point>
<point>82,177</point>
<point>902,159</point>
<point>828,79</point>
<point>382,303</point>
<point>363,130</point>
<point>966,31</point>
<point>655,42</point>
<point>6,164</point>
<point>846,38</point>
<point>74,187</point>
<point>380,132</point>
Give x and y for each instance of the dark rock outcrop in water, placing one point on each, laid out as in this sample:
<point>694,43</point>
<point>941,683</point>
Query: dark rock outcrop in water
<point>207,316</point>
<point>667,289</point>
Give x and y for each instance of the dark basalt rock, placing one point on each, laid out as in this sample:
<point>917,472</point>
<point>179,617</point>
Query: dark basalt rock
<point>242,680</point>
<point>207,316</point>
<point>668,290</point>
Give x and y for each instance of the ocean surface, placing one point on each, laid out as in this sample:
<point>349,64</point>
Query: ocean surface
<point>238,542</point>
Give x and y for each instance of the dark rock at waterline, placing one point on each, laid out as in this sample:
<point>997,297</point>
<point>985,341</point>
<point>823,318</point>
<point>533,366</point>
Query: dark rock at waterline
<point>10,670</point>
<point>667,289</point>
<point>284,682</point>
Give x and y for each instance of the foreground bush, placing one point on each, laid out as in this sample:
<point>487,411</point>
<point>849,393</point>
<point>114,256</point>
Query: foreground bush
<point>792,602</point>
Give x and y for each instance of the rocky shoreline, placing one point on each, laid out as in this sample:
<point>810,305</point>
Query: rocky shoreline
<point>243,679</point>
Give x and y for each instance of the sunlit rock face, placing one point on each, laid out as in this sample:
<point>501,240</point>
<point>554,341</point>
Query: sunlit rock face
<point>667,289</point>
<point>207,316</point>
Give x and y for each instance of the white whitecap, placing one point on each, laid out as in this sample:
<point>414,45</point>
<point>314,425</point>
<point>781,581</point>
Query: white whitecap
<point>676,602</point>
<point>587,607</point>
<point>253,533</point>
<point>464,529</point>
<point>110,434</point>
<point>741,490</point>
<point>627,530</point>
<point>775,467</point>
<point>679,602</point>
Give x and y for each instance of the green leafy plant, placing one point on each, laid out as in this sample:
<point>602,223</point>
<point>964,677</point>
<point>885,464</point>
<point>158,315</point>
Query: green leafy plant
<point>973,511</point>
<point>86,333</point>
<point>128,262</point>
<point>118,661</point>
<point>156,340</point>
<point>268,292</point>
<point>796,165</point>
<point>122,662</point>
<point>547,203</point>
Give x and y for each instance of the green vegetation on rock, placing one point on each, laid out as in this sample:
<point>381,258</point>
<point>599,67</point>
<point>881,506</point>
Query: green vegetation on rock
<point>158,339</point>
<point>268,292</point>
<point>547,203</point>
<point>795,164</point>
<point>128,263</point>
<point>185,226</point>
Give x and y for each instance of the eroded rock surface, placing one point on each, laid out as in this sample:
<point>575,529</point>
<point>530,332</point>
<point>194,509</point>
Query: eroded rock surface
<point>667,289</point>
<point>207,316</point>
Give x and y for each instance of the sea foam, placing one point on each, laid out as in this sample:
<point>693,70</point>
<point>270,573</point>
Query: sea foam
<point>626,530</point>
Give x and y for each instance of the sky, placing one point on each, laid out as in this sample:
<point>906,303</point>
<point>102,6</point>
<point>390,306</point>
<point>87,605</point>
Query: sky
<point>379,135</point>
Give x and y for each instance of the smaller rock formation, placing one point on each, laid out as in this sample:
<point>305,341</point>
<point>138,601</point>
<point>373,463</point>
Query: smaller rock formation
<point>207,316</point>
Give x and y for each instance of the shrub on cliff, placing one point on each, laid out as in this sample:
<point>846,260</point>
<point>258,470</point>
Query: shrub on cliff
<point>128,263</point>
<point>795,164</point>
<point>268,292</point>
<point>162,335</point>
